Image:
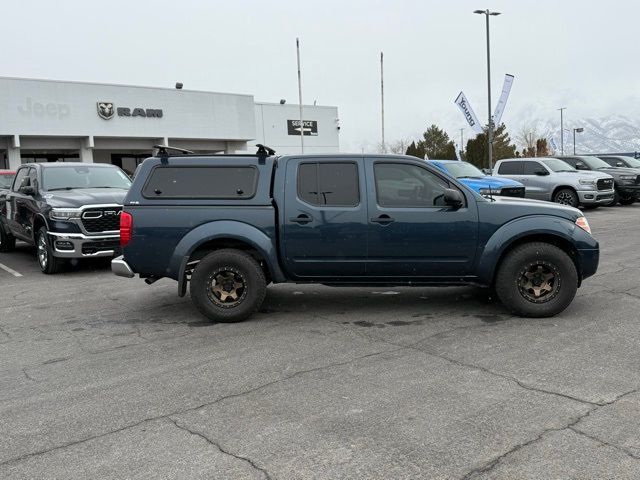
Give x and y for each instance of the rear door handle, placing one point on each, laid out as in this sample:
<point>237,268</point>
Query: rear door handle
<point>301,219</point>
<point>383,219</point>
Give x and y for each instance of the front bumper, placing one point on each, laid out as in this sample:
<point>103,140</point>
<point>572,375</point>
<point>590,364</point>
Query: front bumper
<point>79,245</point>
<point>589,260</point>
<point>625,190</point>
<point>595,197</point>
<point>121,268</point>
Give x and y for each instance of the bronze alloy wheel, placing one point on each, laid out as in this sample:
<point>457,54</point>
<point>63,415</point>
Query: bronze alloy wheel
<point>539,282</point>
<point>227,288</point>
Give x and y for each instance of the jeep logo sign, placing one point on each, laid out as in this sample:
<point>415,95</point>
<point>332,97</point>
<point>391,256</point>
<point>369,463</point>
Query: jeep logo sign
<point>106,110</point>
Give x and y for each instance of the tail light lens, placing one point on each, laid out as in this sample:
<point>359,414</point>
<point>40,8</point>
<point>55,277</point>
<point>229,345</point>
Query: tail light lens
<point>126,224</point>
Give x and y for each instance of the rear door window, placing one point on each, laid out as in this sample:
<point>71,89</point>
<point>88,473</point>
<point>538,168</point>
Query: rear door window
<point>202,182</point>
<point>510,168</point>
<point>329,184</point>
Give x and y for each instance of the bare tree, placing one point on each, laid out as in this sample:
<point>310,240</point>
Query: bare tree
<point>526,138</point>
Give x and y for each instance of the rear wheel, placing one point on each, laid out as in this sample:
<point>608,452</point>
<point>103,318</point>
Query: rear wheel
<point>228,286</point>
<point>7,241</point>
<point>566,196</point>
<point>536,280</point>
<point>48,263</point>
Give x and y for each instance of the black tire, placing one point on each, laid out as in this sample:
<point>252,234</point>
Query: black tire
<point>516,289</point>
<point>7,241</point>
<point>566,196</point>
<point>627,201</point>
<point>228,286</point>
<point>615,200</point>
<point>44,254</point>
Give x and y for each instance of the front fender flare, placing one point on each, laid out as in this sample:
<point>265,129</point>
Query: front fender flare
<point>227,229</point>
<point>530,226</point>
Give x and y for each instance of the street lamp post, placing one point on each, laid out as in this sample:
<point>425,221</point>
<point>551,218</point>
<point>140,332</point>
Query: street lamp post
<point>488,13</point>
<point>461,142</point>
<point>562,130</point>
<point>579,130</point>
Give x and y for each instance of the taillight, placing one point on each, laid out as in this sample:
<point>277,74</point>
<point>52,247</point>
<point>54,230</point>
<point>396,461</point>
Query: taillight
<point>126,224</point>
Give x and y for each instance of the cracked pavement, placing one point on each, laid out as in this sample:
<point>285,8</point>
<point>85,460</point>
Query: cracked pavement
<point>103,377</point>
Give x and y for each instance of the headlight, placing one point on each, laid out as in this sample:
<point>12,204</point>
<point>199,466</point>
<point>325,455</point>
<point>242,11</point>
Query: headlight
<point>583,224</point>
<point>487,191</point>
<point>587,182</point>
<point>63,213</point>
<point>627,177</point>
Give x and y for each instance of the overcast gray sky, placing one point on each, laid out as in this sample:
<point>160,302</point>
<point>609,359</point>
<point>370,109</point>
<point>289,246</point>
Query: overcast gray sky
<point>581,54</point>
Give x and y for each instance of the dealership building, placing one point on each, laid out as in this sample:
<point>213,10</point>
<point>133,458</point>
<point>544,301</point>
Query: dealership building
<point>47,121</point>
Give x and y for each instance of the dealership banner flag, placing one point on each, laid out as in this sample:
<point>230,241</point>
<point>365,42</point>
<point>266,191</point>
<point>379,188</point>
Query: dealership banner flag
<point>552,141</point>
<point>506,88</point>
<point>468,113</point>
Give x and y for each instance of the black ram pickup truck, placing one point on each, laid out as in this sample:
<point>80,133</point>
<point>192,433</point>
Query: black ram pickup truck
<point>66,210</point>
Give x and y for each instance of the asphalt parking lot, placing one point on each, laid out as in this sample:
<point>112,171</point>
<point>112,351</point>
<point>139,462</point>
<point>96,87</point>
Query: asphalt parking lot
<point>105,377</point>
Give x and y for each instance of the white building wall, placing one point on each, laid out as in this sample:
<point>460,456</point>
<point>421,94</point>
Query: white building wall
<point>271,128</point>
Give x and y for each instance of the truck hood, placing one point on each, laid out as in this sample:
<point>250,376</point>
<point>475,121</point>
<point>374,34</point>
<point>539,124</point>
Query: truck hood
<point>585,174</point>
<point>495,183</point>
<point>519,207</point>
<point>79,197</point>
<point>617,171</point>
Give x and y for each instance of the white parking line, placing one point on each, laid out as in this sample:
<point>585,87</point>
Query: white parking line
<point>10,270</point>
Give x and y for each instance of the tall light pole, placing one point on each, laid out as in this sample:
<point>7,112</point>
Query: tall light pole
<point>300,97</point>
<point>489,13</point>
<point>579,130</point>
<point>384,150</point>
<point>461,142</point>
<point>562,130</point>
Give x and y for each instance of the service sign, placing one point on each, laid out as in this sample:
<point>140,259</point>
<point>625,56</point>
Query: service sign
<point>310,127</point>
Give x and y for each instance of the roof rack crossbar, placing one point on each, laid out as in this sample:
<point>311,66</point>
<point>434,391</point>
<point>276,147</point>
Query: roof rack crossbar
<point>162,150</point>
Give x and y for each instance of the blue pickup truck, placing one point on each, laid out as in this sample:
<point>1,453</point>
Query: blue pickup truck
<point>228,225</point>
<point>474,178</point>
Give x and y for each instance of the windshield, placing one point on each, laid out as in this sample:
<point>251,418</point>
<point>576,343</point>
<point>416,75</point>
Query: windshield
<point>595,162</point>
<point>558,165</point>
<point>67,178</point>
<point>6,180</point>
<point>462,169</point>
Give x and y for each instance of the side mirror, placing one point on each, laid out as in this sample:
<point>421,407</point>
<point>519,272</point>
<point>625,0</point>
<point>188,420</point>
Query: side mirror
<point>542,173</point>
<point>27,190</point>
<point>581,166</point>
<point>453,198</point>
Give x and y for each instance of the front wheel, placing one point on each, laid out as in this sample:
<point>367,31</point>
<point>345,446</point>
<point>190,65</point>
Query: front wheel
<point>48,263</point>
<point>228,286</point>
<point>536,280</point>
<point>566,196</point>
<point>627,201</point>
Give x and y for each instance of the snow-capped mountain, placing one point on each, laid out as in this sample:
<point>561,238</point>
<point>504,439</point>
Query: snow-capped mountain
<point>610,134</point>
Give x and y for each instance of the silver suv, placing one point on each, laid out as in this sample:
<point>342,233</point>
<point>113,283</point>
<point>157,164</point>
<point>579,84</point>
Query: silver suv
<point>555,180</point>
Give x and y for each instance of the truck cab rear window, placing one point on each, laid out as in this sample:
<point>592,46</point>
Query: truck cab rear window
<point>202,182</point>
<point>330,184</point>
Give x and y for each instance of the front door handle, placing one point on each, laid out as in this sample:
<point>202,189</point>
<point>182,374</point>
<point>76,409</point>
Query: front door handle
<point>383,219</point>
<point>301,219</point>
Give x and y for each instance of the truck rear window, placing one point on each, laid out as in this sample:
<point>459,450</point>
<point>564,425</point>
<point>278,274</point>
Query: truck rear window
<point>202,182</point>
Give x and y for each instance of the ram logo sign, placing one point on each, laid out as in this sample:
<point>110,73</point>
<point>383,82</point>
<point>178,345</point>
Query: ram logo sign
<point>106,110</point>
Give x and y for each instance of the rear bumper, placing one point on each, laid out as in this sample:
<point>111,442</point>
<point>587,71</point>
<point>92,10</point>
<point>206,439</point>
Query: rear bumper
<point>595,197</point>
<point>78,245</point>
<point>121,268</point>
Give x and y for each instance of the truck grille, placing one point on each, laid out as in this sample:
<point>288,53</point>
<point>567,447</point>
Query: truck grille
<point>512,192</point>
<point>605,184</point>
<point>106,219</point>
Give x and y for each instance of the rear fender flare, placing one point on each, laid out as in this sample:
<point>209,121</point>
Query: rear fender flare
<point>226,229</point>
